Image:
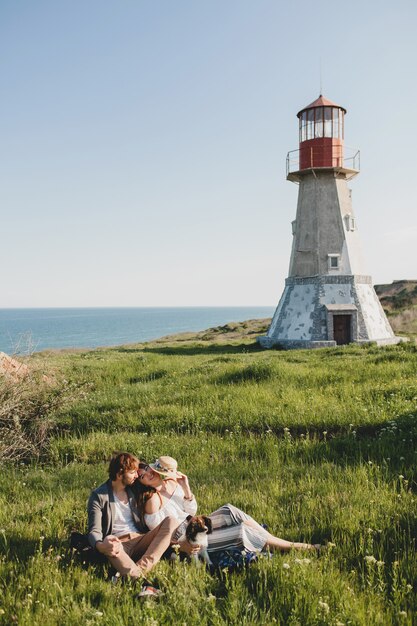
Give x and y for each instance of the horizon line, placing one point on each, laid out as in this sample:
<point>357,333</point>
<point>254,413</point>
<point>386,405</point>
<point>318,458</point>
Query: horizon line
<point>165,306</point>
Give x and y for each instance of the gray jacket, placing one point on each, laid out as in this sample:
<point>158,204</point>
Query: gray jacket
<point>101,512</point>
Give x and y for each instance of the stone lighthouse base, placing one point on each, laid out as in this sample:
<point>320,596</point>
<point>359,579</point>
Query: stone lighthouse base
<point>325,311</point>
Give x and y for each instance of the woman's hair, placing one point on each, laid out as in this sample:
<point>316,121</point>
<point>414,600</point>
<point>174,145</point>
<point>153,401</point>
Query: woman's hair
<point>142,493</point>
<point>122,462</point>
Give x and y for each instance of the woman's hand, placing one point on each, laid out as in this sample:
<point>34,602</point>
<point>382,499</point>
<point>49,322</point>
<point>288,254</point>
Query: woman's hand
<point>182,480</point>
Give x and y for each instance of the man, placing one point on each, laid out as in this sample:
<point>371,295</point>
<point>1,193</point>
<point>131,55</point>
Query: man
<point>115,529</point>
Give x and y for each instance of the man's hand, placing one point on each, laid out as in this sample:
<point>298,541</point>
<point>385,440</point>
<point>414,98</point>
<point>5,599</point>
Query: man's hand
<point>188,548</point>
<point>110,546</point>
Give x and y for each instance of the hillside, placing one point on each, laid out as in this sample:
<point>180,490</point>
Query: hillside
<point>243,332</point>
<point>399,301</point>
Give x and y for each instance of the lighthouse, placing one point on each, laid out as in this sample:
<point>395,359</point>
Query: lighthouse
<point>328,297</point>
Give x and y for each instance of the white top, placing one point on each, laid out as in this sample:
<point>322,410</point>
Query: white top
<point>123,523</point>
<point>175,506</point>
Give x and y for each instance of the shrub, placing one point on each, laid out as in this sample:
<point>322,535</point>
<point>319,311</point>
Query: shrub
<point>27,409</point>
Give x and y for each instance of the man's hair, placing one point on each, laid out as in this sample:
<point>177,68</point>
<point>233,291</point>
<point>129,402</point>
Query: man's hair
<point>122,462</point>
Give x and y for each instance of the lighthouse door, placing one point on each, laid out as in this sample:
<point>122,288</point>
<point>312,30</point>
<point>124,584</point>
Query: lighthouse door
<point>342,325</point>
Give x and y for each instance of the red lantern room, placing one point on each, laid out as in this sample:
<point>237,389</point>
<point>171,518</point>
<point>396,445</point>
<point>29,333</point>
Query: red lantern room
<point>321,134</point>
<point>322,126</point>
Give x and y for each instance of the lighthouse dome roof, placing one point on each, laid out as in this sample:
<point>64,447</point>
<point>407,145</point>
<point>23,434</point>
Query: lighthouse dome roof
<point>321,102</point>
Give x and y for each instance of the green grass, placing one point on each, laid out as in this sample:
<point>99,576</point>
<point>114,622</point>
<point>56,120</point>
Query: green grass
<point>320,445</point>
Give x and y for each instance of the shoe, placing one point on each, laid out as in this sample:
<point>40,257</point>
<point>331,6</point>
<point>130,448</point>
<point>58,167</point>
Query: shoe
<point>149,591</point>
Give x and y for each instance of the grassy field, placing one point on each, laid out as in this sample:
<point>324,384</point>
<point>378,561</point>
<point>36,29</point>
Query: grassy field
<point>320,445</point>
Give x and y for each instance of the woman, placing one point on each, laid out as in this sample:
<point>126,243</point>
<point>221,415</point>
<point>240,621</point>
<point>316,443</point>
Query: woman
<point>166,491</point>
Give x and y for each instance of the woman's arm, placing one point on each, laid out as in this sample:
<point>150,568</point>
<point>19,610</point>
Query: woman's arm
<point>182,480</point>
<point>188,502</point>
<point>190,506</point>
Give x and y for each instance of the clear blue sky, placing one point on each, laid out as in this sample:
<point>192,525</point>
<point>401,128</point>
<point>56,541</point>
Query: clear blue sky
<point>143,144</point>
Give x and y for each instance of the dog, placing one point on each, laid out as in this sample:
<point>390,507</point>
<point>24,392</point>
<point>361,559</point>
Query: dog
<point>196,533</point>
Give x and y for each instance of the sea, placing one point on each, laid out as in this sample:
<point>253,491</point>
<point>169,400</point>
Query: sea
<point>24,331</point>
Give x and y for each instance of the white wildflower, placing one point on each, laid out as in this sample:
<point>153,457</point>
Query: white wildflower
<point>324,606</point>
<point>286,565</point>
<point>370,559</point>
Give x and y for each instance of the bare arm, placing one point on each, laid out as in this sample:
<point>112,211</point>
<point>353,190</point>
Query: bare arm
<point>189,502</point>
<point>182,480</point>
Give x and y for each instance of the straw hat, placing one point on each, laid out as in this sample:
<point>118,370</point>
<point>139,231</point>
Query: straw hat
<point>166,466</point>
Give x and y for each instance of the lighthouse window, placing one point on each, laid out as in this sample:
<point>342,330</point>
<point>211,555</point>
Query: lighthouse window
<point>350,222</point>
<point>318,129</point>
<point>336,123</point>
<point>310,124</point>
<point>303,126</point>
<point>333,260</point>
<point>327,121</point>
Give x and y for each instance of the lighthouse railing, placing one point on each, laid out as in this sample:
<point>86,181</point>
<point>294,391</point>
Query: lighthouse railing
<point>351,160</point>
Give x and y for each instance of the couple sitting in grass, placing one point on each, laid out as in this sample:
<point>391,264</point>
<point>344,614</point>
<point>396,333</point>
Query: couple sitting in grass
<point>143,509</point>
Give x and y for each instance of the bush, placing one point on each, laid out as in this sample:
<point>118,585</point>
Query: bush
<point>27,409</point>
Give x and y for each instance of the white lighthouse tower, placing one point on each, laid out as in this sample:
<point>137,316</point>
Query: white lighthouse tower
<point>328,297</point>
